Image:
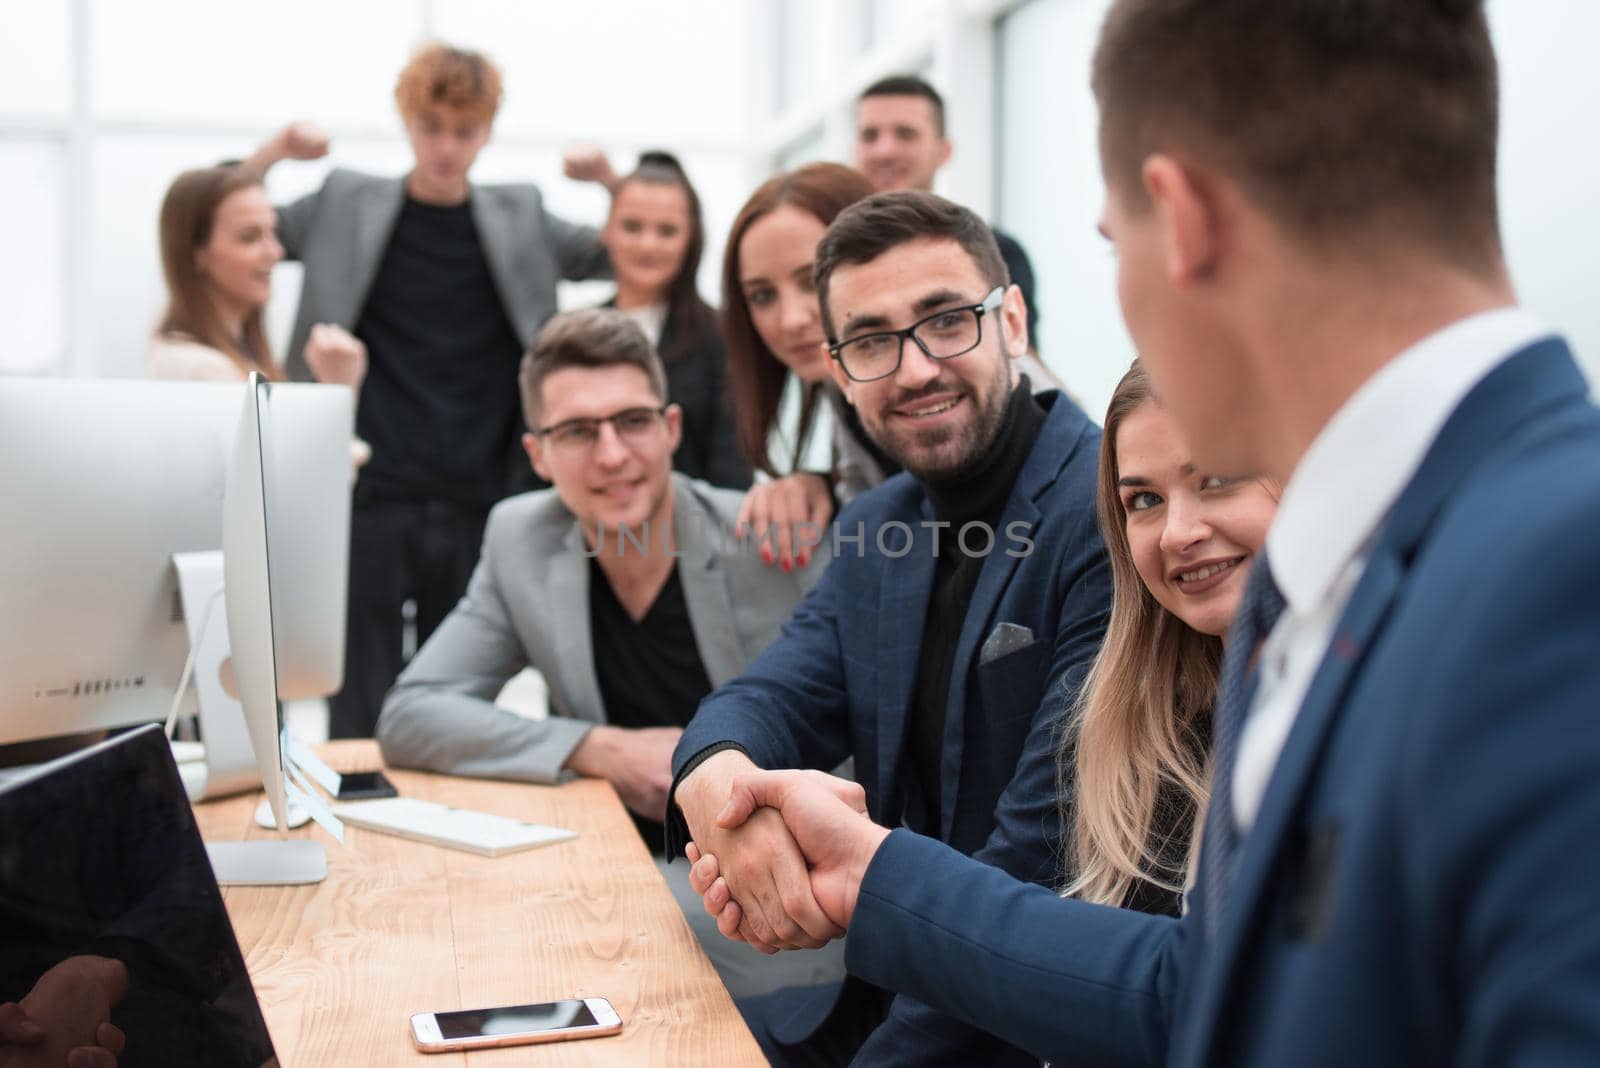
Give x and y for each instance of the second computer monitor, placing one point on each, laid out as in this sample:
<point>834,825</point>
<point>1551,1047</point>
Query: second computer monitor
<point>102,482</point>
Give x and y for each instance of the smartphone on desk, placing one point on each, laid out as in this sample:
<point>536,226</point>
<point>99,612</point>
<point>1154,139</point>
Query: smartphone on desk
<point>514,1025</point>
<point>365,785</point>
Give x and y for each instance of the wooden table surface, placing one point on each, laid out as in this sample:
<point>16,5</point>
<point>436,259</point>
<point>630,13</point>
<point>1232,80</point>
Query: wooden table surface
<point>400,927</point>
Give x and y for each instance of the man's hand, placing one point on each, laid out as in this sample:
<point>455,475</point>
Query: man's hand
<point>636,761</point>
<point>828,824</point>
<point>336,356</point>
<point>788,514</point>
<point>66,1017</point>
<point>763,867</point>
<point>589,163</point>
<point>298,140</point>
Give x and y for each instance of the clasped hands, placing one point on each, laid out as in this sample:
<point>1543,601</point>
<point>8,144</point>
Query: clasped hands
<point>778,856</point>
<point>66,1018</point>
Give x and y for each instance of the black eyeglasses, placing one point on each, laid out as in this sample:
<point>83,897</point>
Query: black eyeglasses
<point>635,426</point>
<point>944,335</point>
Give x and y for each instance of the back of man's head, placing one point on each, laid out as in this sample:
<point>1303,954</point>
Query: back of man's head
<point>1350,123</point>
<point>884,221</point>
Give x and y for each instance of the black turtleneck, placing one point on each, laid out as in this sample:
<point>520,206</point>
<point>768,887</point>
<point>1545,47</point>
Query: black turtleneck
<point>976,495</point>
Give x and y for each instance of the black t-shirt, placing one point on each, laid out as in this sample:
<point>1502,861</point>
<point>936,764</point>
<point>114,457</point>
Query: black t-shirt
<point>439,405</point>
<point>650,672</point>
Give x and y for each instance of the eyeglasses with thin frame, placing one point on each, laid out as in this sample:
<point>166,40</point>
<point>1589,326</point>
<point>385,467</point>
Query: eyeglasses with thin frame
<point>944,335</point>
<point>634,426</point>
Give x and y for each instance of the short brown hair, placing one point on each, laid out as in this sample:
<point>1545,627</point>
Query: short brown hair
<point>439,75</point>
<point>590,337</point>
<point>1343,120</point>
<point>755,376</point>
<point>868,229</point>
<point>909,85</point>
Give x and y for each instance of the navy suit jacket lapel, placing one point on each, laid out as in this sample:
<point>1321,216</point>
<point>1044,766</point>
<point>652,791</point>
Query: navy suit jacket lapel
<point>1538,377</point>
<point>993,581</point>
<point>1050,453</point>
<point>904,589</point>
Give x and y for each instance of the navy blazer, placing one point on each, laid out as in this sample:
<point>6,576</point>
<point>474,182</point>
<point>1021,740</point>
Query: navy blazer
<point>838,683</point>
<point>1422,884</point>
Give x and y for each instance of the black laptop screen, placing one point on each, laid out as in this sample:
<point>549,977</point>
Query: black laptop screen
<point>100,859</point>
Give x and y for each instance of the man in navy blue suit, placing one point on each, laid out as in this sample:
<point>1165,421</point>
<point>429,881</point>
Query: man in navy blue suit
<point>961,592</point>
<point>1400,862</point>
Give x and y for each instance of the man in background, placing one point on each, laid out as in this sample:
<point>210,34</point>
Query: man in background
<point>624,586</point>
<point>446,283</point>
<point>901,144</point>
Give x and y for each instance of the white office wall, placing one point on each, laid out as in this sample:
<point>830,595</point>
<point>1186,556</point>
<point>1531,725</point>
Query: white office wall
<point>102,102</point>
<point>1550,162</point>
<point>1049,179</point>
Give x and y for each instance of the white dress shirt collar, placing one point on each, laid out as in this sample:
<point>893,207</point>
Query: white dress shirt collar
<point>1358,465</point>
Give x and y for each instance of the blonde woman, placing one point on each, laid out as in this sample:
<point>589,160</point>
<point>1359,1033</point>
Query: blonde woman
<point>1133,777</point>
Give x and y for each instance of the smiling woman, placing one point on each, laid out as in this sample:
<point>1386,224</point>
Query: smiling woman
<point>218,248</point>
<point>1133,776</point>
<point>655,235</point>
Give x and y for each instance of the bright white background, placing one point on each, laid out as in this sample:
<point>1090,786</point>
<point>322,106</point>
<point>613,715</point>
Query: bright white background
<point>103,101</point>
<point>1049,190</point>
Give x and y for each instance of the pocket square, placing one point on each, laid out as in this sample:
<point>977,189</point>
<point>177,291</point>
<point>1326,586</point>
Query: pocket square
<point>1005,639</point>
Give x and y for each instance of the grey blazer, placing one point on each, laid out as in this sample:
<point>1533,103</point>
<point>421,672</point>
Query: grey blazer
<point>528,603</point>
<point>340,233</point>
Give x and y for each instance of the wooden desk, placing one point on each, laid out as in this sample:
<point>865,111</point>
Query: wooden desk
<point>400,927</point>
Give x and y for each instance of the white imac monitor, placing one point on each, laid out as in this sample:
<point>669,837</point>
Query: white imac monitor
<point>102,482</point>
<point>257,607</point>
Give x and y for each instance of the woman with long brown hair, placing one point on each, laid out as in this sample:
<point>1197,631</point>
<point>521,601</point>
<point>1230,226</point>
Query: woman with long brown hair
<point>655,235</point>
<point>773,327</point>
<point>1134,779</point>
<point>218,248</point>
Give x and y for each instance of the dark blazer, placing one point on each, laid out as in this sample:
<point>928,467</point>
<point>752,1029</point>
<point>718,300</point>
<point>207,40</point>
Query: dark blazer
<point>697,382</point>
<point>1422,884</point>
<point>838,683</point>
<point>341,231</point>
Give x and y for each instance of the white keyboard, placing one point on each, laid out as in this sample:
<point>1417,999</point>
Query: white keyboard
<point>457,828</point>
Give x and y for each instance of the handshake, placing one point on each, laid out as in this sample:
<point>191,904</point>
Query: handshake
<point>778,856</point>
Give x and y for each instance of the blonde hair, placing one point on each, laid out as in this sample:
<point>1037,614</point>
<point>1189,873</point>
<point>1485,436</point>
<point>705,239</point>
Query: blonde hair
<point>1132,764</point>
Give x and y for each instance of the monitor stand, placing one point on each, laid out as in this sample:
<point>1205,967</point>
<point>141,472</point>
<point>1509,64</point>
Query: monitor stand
<point>279,862</point>
<point>230,761</point>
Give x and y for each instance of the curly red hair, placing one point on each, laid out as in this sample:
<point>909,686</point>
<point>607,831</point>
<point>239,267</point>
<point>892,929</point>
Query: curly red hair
<point>440,75</point>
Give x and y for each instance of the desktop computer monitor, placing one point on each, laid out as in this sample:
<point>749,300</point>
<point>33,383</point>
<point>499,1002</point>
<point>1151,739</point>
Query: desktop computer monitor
<point>102,482</point>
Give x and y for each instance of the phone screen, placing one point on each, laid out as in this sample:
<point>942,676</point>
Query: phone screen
<point>515,1019</point>
<point>365,785</point>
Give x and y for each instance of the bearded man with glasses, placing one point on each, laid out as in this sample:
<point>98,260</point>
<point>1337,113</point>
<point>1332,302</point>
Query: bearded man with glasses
<point>623,585</point>
<point>965,602</point>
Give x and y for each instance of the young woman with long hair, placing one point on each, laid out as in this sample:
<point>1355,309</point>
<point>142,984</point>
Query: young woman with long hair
<point>773,327</point>
<point>218,248</point>
<point>1134,779</point>
<point>656,236</point>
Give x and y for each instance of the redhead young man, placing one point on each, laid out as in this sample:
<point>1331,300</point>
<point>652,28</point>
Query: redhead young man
<point>446,283</point>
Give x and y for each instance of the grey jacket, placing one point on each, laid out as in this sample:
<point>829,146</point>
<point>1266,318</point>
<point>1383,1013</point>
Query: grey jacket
<point>528,603</point>
<point>340,233</point>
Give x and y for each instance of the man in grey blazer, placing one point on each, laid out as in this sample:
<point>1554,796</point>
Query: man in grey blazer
<point>623,585</point>
<point>445,283</point>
